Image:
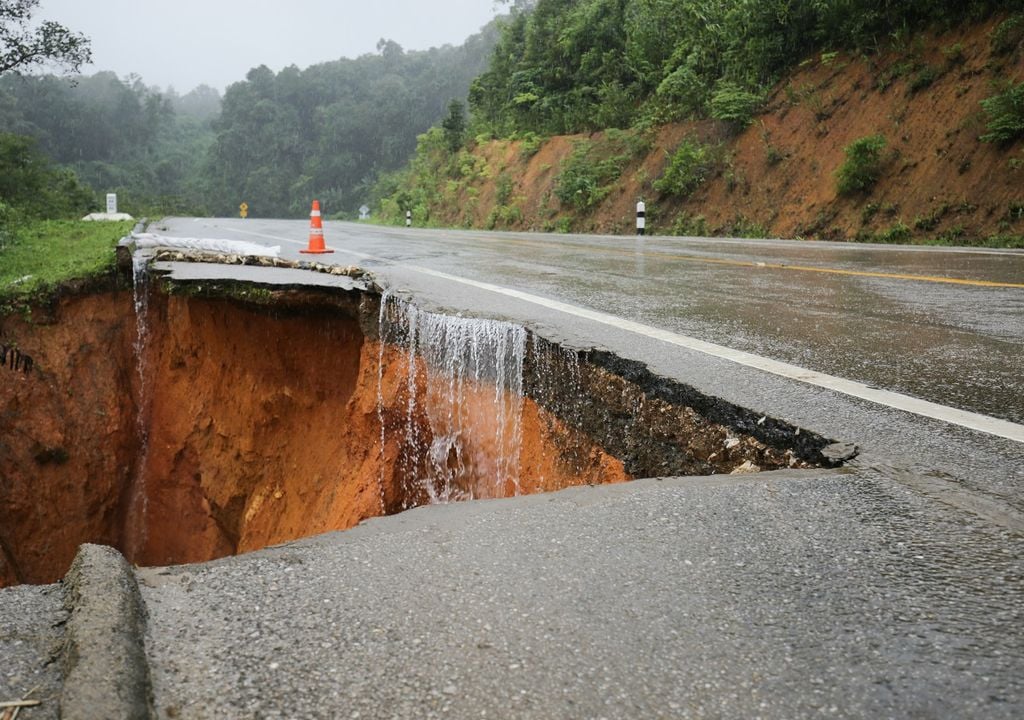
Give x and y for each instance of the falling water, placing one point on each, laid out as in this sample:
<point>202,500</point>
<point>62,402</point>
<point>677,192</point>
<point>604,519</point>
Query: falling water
<point>140,293</point>
<point>557,379</point>
<point>461,439</point>
<point>138,502</point>
<point>380,399</point>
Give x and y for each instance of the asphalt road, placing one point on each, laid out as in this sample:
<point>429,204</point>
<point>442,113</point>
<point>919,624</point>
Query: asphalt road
<point>942,325</point>
<point>891,588</point>
<point>830,314</point>
<point>793,595</point>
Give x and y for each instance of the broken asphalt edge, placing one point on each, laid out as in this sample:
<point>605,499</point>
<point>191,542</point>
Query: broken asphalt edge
<point>103,658</point>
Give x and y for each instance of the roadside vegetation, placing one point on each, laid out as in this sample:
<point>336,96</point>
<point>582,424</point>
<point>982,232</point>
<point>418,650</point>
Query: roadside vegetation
<point>42,242</point>
<point>390,129</point>
<point>592,71</point>
<point>42,254</point>
<point>1005,112</point>
<point>689,166</point>
<point>564,66</point>
<point>863,165</point>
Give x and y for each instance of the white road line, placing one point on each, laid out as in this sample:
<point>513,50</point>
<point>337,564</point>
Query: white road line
<point>887,398</point>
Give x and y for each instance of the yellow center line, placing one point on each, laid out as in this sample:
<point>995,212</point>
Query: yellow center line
<point>781,266</point>
<point>901,276</point>
<point>840,271</point>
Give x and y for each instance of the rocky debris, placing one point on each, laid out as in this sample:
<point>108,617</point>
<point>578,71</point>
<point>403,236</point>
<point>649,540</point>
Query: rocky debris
<point>747,468</point>
<point>262,261</point>
<point>660,434</point>
<point>839,452</point>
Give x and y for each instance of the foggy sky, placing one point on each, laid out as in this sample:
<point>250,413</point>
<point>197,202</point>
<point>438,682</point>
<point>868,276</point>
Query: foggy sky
<point>184,43</point>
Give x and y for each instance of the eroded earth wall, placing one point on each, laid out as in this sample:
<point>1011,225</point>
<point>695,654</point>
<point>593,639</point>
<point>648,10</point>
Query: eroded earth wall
<point>68,440</point>
<point>208,421</point>
<point>249,424</point>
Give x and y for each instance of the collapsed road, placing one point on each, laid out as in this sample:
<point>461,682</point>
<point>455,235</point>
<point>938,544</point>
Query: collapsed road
<point>889,586</point>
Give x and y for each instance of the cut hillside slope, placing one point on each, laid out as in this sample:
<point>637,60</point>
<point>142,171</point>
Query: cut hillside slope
<point>937,181</point>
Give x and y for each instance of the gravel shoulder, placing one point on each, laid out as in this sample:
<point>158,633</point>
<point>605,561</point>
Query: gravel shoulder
<point>31,633</point>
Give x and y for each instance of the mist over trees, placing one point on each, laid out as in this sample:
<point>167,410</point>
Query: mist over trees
<point>31,186</point>
<point>274,141</point>
<point>116,135</point>
<point>329,131</point>
<point>337,131</point>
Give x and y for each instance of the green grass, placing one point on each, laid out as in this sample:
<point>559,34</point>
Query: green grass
<point>863,165</point>
<point>40,254</point>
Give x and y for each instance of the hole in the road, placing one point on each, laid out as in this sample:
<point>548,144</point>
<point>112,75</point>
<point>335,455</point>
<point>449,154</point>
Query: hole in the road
<point>197,420</point>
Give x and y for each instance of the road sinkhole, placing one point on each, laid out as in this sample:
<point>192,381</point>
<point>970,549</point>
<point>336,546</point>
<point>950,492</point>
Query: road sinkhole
<point>185,420</point>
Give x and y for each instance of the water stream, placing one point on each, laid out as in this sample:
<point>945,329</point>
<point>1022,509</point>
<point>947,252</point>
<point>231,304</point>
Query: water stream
<point>385,296</point>
<point>140,295</point>
<point>462,431</point>
<point>135,523</point>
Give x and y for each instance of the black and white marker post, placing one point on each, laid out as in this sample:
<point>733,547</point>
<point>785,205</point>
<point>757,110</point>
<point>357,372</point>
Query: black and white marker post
<point>641,221</point>
<point>408,218</point>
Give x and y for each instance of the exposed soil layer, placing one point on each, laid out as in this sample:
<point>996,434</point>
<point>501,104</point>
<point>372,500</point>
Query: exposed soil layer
<point>68,440</point>
<point>258,417</point>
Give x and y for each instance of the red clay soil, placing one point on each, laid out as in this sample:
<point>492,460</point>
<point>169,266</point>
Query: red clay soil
<point>261,428</point>
<point>777,177</point>
<point>68,439</point>
<point>265,429</point>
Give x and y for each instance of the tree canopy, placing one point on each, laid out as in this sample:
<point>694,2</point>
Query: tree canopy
<point>23,46</point>
<point>329,131</point>
<point>575,65</point>
<point>275,140</point>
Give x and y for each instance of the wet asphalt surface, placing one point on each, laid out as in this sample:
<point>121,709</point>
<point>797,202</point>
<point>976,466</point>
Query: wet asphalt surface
<point>957,345</point>
<point>749,317</point>
<point>891,588</point>
<point>798,595</point>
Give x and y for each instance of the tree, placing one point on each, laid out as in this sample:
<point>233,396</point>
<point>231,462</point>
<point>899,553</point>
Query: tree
<point>22,47</point>
<point>863,166</point>
<point>454,125</point>
<point>30,182</point>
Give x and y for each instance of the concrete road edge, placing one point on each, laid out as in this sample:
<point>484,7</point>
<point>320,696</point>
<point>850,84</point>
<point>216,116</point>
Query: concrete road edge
<point>104,660</point>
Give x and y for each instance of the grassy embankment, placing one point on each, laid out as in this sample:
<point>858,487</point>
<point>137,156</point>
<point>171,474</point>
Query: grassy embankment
<point>37,256</point>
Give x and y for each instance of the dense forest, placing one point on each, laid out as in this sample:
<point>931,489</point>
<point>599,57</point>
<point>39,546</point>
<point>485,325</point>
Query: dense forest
<point>564,66</point>
<point>329,130</point>
<point>116,135</point>
<point>275,140</point>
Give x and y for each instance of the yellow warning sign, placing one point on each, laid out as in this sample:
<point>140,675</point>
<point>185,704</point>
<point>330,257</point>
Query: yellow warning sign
<point>243,209</point>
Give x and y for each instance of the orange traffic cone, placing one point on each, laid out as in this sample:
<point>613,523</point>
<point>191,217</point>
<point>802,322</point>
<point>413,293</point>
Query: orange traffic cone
<point>316,232</point>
